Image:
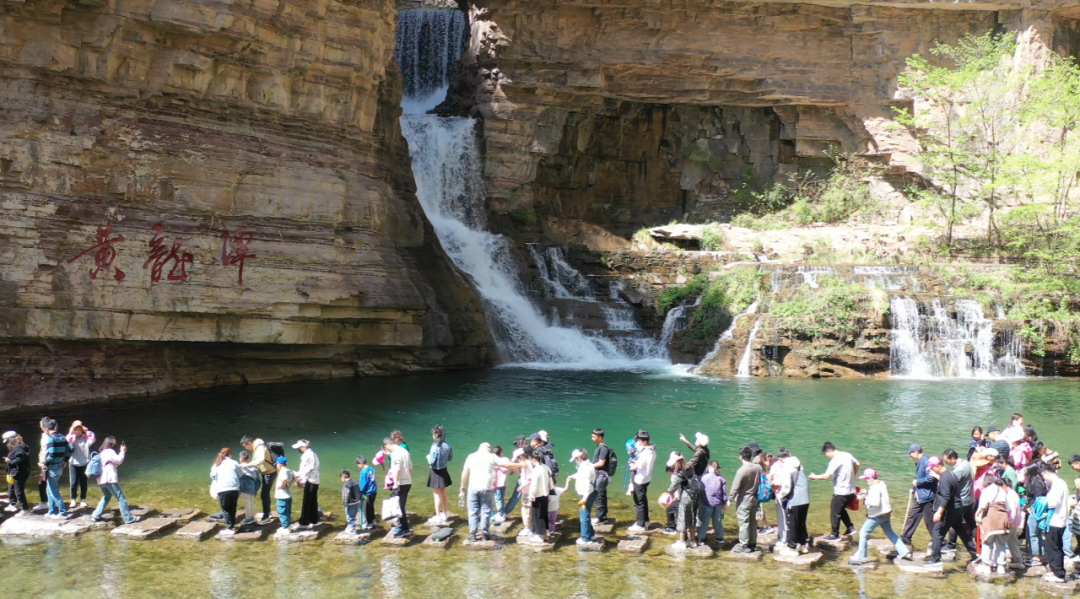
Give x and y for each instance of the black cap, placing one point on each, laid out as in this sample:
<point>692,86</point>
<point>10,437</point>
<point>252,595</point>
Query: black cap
<point>642,434</point>
<point>993,429</point>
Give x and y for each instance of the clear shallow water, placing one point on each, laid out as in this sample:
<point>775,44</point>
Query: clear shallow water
<point>173,440</point>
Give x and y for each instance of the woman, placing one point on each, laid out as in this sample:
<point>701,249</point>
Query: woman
<point>80,439</point>
<point>1035,491</point>
<point>995,523</point>
<point>438,459</point>
<point>540,487</point>
<point>878,514</point>
<point>399,439</point>
<point>225,475</point>
<point>795,495</point>
<point>109,480</point>
<point>308,478</point>
<point>689,502</point>
<point>18,469</point>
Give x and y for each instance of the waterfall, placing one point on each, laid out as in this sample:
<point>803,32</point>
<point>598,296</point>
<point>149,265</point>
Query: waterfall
<point>727,334</point>
<point>934,344</point>
<point>671,322</point>
<point>429,45</point>
<point>744,362</point>
<point>448,170</point>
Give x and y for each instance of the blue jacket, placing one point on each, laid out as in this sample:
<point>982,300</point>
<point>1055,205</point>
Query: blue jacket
<point>367,481</point>
<point>440,455</point>
<point>925,485</point>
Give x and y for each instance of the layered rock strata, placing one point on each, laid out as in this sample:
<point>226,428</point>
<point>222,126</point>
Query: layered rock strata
<point>198,193</point>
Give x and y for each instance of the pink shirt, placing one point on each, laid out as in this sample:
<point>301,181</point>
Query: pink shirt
<point>109,461</point>
<point>1021,455</point>
<point>500,477</point>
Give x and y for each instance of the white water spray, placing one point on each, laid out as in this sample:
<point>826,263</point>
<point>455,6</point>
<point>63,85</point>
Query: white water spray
<point>748,353</point>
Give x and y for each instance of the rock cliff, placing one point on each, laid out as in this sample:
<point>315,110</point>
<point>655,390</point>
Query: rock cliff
<point>201,193</point>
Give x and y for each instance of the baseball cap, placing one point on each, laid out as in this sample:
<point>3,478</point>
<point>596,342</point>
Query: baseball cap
<point>993,429</point>
<point>914,447</point>
<point>543,436</point>
<point>577,453</point>
<point>282,460</point>
<point>674,457</point>
<point>933,461</point>
<point>9,436</point>
<point>700,439</point>
<point>301,443</point>
<point>868,473</point>
<point>534,437</point>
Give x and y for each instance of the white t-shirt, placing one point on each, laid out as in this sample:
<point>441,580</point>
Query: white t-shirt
<point>401,466</point>
<point>842,469</point>
<point>481,467</point>
<point>645,459</point>
<point>1057,499</point>
<point>585,478</point>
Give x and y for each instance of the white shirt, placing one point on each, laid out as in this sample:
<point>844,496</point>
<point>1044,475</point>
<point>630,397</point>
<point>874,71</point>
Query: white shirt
<point>1057,499</point>
<point>842,469</point>
<point>585,478</point>
<point>644,462</point>
<point>877,501</point>
<point>401,466</point>
<point>481,466</point>
<point>309,467</point>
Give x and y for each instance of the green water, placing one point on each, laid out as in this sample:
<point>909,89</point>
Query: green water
<point>173,439</point>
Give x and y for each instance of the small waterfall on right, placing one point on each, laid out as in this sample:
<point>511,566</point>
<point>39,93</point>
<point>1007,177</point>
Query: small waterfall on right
<point>748,352</point>
<point>929,342</point>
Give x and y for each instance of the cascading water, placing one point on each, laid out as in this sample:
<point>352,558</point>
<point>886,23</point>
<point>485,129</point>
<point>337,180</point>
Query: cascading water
<point>449,184</point>
<point>748,352</point>
<point>727,334</point>
<point>933,344</point>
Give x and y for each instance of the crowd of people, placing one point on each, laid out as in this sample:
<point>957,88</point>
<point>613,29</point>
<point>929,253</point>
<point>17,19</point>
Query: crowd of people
<point>1005,490</point>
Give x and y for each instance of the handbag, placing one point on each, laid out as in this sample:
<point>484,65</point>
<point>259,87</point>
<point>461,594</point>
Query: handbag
<point>1074,522</point>
<point>854,504</point>
<point>391,508</point>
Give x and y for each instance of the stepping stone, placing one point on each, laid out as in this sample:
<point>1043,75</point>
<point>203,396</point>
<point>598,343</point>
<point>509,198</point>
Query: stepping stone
<point>431,543</point>
<point>884,547</point>
<point>869,564</point>
<point>946,556</point>
<point>358,538</point>
<point>806,561</point>
<point>731,556</point>
<point>144,529</point>
<point>451,521</point>
<point>141,511</point>
<point>993,576</point>
<point>40,526</point>
<point>181,515</point>
<point>765,542</point>
<point>414,520</point>
<point>837,546</point>
<point>654,529</point>
<point>488,545</point>
<point>505,527</point>
<point>391,541</point>
<point>597,544</point>
<point>1032,572</point>
<point>917,568</point>
<point>548,545</point>
<point>198,531</point>
<point>302,535</point>
<point>633,544</point>
<point>1058,588</point>
<point>702,550</point>
<point>606,527</point>
<point>258,534</point>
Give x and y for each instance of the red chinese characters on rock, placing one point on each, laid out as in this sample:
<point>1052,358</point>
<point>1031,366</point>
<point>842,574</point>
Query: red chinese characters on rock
<point>234,249</point>
<point>161,255</point>
<point>104,253</point>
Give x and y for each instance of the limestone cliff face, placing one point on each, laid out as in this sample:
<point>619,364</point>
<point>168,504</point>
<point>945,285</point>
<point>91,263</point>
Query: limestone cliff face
<point>197,193</point>
<point>625,113</point>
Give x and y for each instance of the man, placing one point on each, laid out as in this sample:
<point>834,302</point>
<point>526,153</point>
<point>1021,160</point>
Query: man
<point>400,472</point>
<point>996,442</point>
<point>1067,539</point>
<point>642,466</point>
<point>700,447</point>
<point>308,477</point>
<point>963,472</point>
<point>585,484</point>
<point>948,512</point>
<point>842,469</point>
<point>479,476</point>
<point>744,495</point>
<point>55,451</point>
<point>605,463</point>
<point>263,460</point>
<point>924,488</point>
<point>1058,501</point>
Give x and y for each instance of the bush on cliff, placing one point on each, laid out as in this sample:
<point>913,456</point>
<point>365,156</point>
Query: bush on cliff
<point>837,307</point>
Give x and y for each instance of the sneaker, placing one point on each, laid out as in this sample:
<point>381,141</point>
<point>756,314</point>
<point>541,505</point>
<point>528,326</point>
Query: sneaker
<point>831,537</point>
<point>595,521</point>
<point>1051,577</point>
<point>402,533</point>
<point>11,508</point>
<point>670,531</point>
<point>537,540</point>
<point>983,569</point>
<point>497,519</point>
<point>634,529</point>
<point>751,548</point>
<point>74,504</point>
<point>788,552</point>
<point>849,532</point>
<point>678,546</point>
<point>582,541</point>
<point>471,538</point>
<point>907,557</point>
<point>740,548</point>
<point>857,561</point>
<point>228,531</point>
<point>1001,571</point>
<point>931,564</point>
<point>133,520</point>
<point>83,504</point>
<point>948,547</point>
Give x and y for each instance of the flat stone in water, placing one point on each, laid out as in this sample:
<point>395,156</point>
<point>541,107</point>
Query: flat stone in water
<point>633,544</point>
<point>731,556</point>
<point>198,531</point>
<point>181,515</point>
<point>839,546</point>
<point>505,527</point>
<point>431,543</point>
<point>141,511</point>
<point>357,538</point>
<point>548,545</point>
<point>654,529</point>
<point>883,547</point>
<point>805,561</point>
<point>451,520</point>
<point>869,564</point>
<point>488,545</point>
<point>606,527</point>
<point>1035,572</point>
<point>946,556</point>
<point>1058,588</point>
<point>303,535</point>
<point>144,529</point>
<point>258,534</point>
<point>766,542</point>
<point>597,544</point>
<point>917,568</point>
<point>40,526</point>
<point>992,576</point>
<point>392,541</point>
<point>701,550</point>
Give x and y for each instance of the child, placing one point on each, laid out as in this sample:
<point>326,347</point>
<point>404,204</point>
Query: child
<point>368,489</point>
<point>977,441</point>
<point>283,493</point>
<point>500,489</point>
<point>249,485</point>
<point>352,499</point>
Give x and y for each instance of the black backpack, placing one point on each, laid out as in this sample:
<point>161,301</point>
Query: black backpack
<point>551,462</point>
<point>277,450</point>
<point>695,488</point>
<point>611,466</point>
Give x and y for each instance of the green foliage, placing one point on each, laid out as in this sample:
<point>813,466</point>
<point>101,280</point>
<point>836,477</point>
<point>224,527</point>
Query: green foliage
<point>712,240</point>
<point>524,217</point>
<point>723,295</point>
<point>673,295</point>
<point>836,307</point>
